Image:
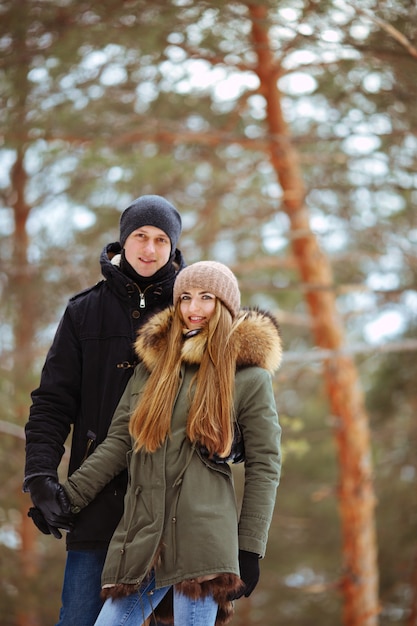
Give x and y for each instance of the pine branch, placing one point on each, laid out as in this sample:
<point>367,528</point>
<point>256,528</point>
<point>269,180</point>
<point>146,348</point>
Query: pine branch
<point>407,345</point>
<point>388,28</point>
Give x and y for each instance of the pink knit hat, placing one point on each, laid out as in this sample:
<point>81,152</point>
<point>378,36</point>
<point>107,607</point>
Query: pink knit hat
<point>213,277</point>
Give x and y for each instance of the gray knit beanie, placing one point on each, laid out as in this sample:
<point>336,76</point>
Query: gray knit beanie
<point>213,277</point>
<point>151,210</point>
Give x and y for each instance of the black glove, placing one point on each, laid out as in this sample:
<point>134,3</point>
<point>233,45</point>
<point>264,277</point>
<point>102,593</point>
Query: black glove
<point>249,573</point>
<point>50,498</point>
<point>40,521</point>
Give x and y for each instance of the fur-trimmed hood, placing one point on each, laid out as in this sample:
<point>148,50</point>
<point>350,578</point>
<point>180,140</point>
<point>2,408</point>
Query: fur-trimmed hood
<point>256,337</point>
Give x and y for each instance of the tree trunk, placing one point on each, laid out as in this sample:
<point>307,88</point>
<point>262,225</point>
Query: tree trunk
<point>359,584</point>
<point>24,332</point>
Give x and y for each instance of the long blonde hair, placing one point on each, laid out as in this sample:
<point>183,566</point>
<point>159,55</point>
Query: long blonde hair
<point>211,392</point>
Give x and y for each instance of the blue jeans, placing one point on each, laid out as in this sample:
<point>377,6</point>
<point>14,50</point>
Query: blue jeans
<point>81,602</point>
<point>135,609</point>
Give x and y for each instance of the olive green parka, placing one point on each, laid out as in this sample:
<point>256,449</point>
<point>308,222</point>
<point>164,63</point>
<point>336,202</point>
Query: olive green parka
<point>180,516</point>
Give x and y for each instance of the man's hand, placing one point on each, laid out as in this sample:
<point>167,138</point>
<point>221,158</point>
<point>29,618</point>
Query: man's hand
<point>52,506</point>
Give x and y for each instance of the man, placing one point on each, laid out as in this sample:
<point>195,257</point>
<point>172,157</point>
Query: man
<point>85,373</point>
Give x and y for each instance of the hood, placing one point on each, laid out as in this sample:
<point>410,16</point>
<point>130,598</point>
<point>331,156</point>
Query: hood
<point>256,338</point>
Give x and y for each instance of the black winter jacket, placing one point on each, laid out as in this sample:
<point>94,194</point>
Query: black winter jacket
<point>85,373</point>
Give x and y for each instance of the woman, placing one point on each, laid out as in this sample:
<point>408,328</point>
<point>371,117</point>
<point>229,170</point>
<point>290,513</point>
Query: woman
<point>200,398</point>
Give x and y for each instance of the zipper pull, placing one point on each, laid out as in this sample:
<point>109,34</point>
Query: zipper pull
<point>142,303</point>
<point>91,439</point>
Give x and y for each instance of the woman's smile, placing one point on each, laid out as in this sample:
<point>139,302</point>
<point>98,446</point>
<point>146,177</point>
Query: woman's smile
<point>197,307</point>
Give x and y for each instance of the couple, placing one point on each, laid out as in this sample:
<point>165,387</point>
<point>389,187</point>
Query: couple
<point>200,398</point>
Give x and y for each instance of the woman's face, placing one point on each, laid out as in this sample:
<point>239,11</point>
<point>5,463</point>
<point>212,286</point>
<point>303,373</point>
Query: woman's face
<point>197,306</point>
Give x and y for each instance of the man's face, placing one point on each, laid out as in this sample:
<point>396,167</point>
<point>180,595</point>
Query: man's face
<point>147,249</point>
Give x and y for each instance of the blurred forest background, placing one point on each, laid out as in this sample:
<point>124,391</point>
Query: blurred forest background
<point>286,134</point>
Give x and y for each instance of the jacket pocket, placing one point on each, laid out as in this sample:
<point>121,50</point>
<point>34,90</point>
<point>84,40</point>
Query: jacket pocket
<point>222,468</point>
<point>237,451</point>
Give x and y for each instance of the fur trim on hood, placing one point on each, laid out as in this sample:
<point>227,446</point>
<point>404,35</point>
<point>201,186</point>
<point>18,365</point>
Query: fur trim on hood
<point>256,337</point>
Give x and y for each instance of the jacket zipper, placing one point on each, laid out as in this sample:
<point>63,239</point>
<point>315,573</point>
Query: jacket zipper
<point>178,484</point>
<point>142,301</point>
